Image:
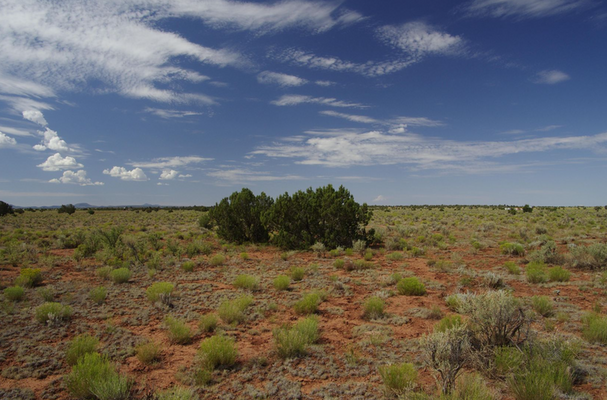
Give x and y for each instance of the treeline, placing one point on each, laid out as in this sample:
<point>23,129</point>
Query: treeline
<point>297,221</point>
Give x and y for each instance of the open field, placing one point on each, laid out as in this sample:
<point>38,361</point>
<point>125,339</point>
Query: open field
<point>367,318</point>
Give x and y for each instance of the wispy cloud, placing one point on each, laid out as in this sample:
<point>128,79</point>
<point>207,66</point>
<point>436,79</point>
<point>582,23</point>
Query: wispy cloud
<point>550,77</point>
<point>295,99</point>
<point>523,8</point>
<point>238,175</point>
<point>348,148</point>
<point>76,178</point>
<point>170,162</point>
<point>419,39</point>
<point>548,128</point>
<point>395,123</point>
<point>169,114</point>
<point>283,80</point>
<point>136,174</point>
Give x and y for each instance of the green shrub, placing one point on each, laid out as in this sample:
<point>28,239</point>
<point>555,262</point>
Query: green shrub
<point>245,256</point>
<point>98,294</point>
<point>558,274</point>
<point>297,273</point>
<point>508,360</point>
<point>308,304</point>
<point>358,265</point>
<point>148,352</point>
<point>46,293</point>
<point>512,267</point>
<point>95,377</point>
<point>187,266</point>
<point>121,275</point>
<point>374,308</point>
<point>339,263</point>
<point>594,328</point>
<point>217,260</point>
<point>208,322</point>
<point>536,272</point>
<point>448,322</point>
<point>233,311</point>
<point>292,342</point>
<point>29,277</point>
<point>160,291</point>
<point>396,256</point>
<point>542,305</point>
<point>51,312</point>
<point>177,393</point>
<point>104,272</point>
<point>398,378</point>
<point>178,331</point>
<point>247,282</point>
<point>513,249</point>
<point>14,293</point>
<point>368,256</point>
<point>79,346</point>
<point>472,387</point>
<point>218,351</point>
<point>411,286</point>
<point>282,282</point>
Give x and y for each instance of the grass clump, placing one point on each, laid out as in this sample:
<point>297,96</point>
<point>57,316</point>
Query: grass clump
<point>29,277</point>
<point>217,260</point>
<point>52,312</point>
<point>536,272</point>
<point>121,275</point>
<point>281,282</point>
<point>187,266</point>
<point>594,328</point>
<point>218,351</point>
<point>95,377</point>
<point>160,291</point>
<point>374,308</point>
<point>339,263</point>
<point>411,286</point>
<point>208,322</point>
<point>177,393</point>
<point>308,304</point>
<point>448,322</point>
<point>512,268</point>
<point>98,294</point>
<point>558,274</point>
<point>396,256</point>
<point>233,311</point>
<point>542,305</point>
<point>247,282</point>
<point>398,378</point>
<point>178,331</point>
<point>293,341</point>
<point>104,272</point>
<point>148,352</point>
<point>297,273</point>
<point>513,249</point>
<point>81,345</point>
<point>14,293</point>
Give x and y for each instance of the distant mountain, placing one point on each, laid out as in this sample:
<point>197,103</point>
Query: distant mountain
<point>87,205</point>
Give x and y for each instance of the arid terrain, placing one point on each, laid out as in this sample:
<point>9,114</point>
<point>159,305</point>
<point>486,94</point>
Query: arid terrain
<point>452,250</point>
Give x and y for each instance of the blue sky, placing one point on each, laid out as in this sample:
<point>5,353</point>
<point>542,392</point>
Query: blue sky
<point>403,102</point>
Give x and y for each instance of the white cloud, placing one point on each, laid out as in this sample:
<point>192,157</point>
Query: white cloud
<point>325,83</point>
<point>35,116</point>
<point>398,124</point>
<point>183,176</point>
<point>167,114</point>
<point>295,99</point>
<point>170,162</point>
<point>58,163</point>
<point>76,178</point>
<point>523,8</point>
<point>379,199</point>
<point>354,118</point>
<point>15,131</point>
<point>550,77</point>
<point>6,141</point>
<point>420,39</point>
<point>283,80</point>
<point>168,174</point>
<point>136,174</point>
<point>19,104</point>
<point>336,148</point>
<point>52,141</point>
<point>548,128</point>
<point>236,175</point>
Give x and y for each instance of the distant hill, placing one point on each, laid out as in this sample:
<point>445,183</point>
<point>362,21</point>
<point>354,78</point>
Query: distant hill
<point>87,205</point>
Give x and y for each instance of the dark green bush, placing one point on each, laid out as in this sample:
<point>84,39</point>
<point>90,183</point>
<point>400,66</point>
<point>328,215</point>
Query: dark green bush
<point>66,209</point>
<point>5,209</point>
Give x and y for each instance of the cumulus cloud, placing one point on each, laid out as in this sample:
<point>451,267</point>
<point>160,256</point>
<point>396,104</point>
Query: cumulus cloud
<point>52,141</point>
<point>237,175</point>
<point>6,141</point>
<point>379,199</point>
<point>522,8</point>
<point>550,77</point>
<point>420,39</point>
<point>345,148</point>
<point>168,174</point>
<point>35,116</point>
<point>283,80</point>
<point>76,178</point>
<point>170,162</point>
<point>136,174</point>
<point>168,114</point>
<point>295,99</point>
<point>58,163</point>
